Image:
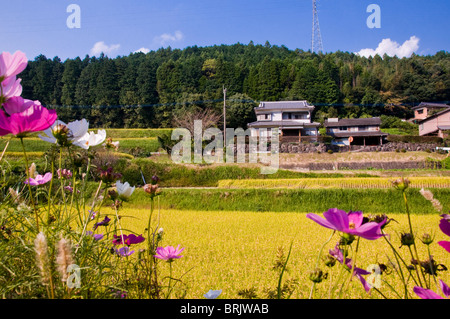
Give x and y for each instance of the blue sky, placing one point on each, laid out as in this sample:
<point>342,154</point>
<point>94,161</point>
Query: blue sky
<point>121,27</point>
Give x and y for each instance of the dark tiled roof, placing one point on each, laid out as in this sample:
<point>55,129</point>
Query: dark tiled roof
<point>429,105</point>
<point>354,122</point>
<point>281,124</point>
<point>282,105</point>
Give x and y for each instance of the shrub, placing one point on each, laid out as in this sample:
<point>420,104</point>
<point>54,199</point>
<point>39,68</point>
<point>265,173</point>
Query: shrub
<point>415,139</point>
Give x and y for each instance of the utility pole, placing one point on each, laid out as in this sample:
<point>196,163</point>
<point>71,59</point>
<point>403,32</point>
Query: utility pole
<point>224,117</point>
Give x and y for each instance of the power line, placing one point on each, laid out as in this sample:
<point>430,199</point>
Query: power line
<point>318,104</point>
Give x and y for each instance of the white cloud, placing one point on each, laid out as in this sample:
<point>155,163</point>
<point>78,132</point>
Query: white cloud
<point>392,48</point>
<point>165,38</point>
<point>143,50</point>
<point>101,46</point>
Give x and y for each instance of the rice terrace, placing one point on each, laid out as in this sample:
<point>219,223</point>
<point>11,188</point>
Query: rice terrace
<point>238,172</point>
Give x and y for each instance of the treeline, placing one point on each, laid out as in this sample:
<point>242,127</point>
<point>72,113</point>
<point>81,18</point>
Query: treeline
<point>148,90</point>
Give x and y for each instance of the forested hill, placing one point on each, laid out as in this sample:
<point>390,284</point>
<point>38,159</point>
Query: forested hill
<point>147,90</point>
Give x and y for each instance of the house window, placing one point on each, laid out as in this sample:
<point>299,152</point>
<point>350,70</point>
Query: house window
<point>299,116</point>
<point>419,111</point>
<point>343,128</point>
<point>363,128</point>
<point>264,117</point>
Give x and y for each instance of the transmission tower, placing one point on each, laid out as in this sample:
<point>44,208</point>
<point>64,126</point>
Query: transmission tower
<point>316,41</point>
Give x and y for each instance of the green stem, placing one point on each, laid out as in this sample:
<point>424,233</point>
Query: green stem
<point>282,272</point>
<point>431,265</point>
<point>27,169</point>
<point>170,280</point>
<point>50,188</point>
<point>353,264</point>
<point>397,256</point>
<point>317,262</point>
<point>414,241</point>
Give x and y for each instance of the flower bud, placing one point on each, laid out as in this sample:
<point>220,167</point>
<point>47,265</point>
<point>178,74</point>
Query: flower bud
<point>155,179</point>
<point>329,261</point>
<point>113,194</point>
<point>427,239</point>
<point>317,275</point>
<point>152,189</point>
<point>407,239</point>
<point>401,183</point>
<point>61,133</point>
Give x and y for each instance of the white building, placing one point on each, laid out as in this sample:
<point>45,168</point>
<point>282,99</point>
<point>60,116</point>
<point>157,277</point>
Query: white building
<point>361,131</point>
<point>292,118</point>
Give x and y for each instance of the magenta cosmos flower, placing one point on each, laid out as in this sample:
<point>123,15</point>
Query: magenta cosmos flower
<point>351,223</point>
<point>444,225</point>
<point>39,179</point>
<point>12,64</point>
<point>168,253</point>
<point>128,239</point>
<point>25,116</point>
<point>430,294</point>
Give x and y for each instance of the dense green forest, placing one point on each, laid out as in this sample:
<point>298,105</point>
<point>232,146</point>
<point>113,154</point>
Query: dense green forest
<point>148,90</point>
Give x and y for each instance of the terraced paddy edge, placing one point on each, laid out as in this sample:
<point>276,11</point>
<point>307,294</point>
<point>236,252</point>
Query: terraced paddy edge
<point>375,201</point>
<point>347,182</point>
<point>232,250</point>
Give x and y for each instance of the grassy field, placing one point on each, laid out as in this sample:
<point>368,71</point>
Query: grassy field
<point>294,200</point>
<point>233,251</point>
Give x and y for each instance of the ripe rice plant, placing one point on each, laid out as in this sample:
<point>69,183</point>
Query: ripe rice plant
<point>242,254</point>
<point>347,182</point>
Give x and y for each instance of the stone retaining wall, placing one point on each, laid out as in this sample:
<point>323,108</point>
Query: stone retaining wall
<point>320,147</point>
<point>362,165</point>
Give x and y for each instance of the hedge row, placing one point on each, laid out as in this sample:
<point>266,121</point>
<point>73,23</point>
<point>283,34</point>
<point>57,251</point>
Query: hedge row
<point>415,139</point>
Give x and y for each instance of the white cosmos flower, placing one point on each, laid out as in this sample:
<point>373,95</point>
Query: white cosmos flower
<point>77,130</point>
<point>124,189</point>
<point>90,139</point>
<point>212,294</point>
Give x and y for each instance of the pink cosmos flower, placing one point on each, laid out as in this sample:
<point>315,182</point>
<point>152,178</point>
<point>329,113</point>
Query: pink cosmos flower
<point>25,119</point>
<point>444,225</point>
<point>17,104</point>
<point>39,179</point>
<point>351,223</point>
<point>12,64</point>
<point>11,87</point>
<point>430,294</point>
<point>168,253</point>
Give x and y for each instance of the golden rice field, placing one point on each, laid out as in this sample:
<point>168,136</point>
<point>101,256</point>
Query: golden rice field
<point>236,250</point>
<point>346,182</point>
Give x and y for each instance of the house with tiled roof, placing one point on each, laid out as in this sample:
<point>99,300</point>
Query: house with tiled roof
<point>426,109</point>
<point>437,124</point>
<point>360,131</point>
<point>291,118</point>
